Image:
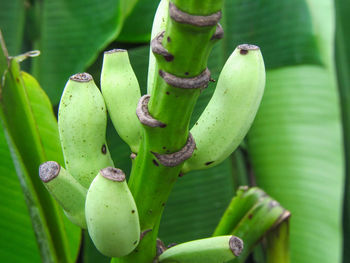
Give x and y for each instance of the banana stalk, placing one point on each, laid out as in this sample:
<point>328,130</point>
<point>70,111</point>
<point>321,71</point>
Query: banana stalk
<point>181,55</point>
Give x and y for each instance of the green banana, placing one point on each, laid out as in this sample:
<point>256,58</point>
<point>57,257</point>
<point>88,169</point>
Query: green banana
<point>208,250</point>
<point>66,190</point>
<point>121,92</point>
<point>111,214</point>
<point>82,121</point>
<point>231,111</point>
<point>159,25</point>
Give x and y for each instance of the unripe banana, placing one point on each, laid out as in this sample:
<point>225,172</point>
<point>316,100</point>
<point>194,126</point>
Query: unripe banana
<point>66,190</point>
<point>111,214</point>
<point>159,25</point>
<point>121,92</point>
<point>232,109</point>
<point>82,121</point>
<point>208,250</point>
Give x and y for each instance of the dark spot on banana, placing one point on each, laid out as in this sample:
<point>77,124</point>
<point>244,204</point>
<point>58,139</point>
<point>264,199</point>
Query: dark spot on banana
<point>167,93</point>
<point>155,162</point>
<point>209,163</point>
<point>169,39</point>
<point>133,211</point>
<point>243,51</point>
<point>104,149</point>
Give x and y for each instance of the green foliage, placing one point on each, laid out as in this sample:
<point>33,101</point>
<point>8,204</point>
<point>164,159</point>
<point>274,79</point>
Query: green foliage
<point>295,145</point>
<point>18,113</point>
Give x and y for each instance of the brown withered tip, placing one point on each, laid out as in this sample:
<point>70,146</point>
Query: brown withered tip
<point>113,174</point>
<point>157,47</point>
<point>176,158</point>
<point>115,50</point>
<point>243,188</point>
<point>144,116</point>
<point>245,48</point>
<point>219,32</point>
<point>195,20</point>
<point>81,77</point>
<point>133,156</point>
<point>160,247</point>
<point>199,81</point>
<point>236,245</point>
<point>48,171</point>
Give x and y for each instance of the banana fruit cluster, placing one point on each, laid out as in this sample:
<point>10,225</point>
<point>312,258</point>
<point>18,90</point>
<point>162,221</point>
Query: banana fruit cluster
<point>92,193</point>
<point>95,195</point>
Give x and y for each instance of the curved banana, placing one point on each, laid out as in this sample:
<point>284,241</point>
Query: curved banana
<point>111,214</point>
<point>232,109</point>
<point>121,92</point>
<point>82,121</point>
<point>66,190</point>
<point>208,250</point>
<point>159,25</point>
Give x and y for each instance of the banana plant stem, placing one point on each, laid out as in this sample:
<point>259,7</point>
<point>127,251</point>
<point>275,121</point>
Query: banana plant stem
<point>181,53</point>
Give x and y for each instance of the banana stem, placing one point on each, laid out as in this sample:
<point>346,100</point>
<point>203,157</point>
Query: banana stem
<point>181,53</point>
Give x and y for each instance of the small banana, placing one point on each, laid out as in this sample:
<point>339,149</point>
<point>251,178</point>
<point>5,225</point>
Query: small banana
<point>121,92</point>
<point>208,250</point>
<point>82,121</point>
<point>232,109</point>
<point>66,190</point>
<point>111,214</point>
<point>159,25</point>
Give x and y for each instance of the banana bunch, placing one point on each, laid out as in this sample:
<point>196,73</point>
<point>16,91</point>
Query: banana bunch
<point>231,110</point>
<point>208,250</point>
<point>103,204</point>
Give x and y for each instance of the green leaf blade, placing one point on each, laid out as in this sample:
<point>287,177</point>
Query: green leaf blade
<point>28,152</point>
<point>295,145</point>
<point>18,240</point>
<point>72,35</point>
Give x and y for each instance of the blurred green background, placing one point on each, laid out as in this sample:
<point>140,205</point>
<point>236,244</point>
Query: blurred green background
<point>297,149</point>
